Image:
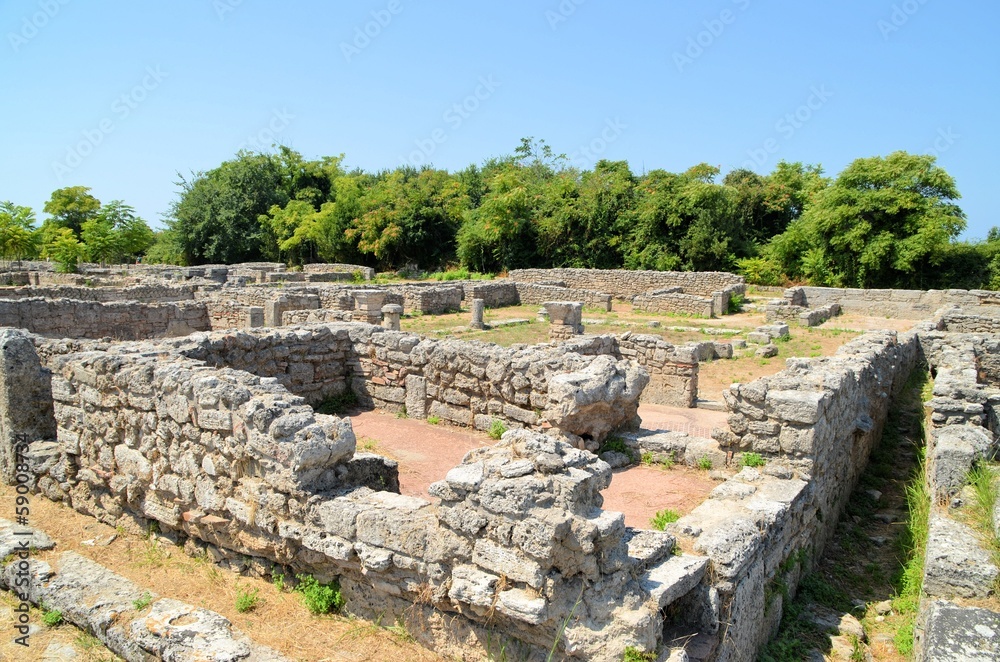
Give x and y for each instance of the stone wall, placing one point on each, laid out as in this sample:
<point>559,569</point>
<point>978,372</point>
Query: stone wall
<point>321,316</point>
<point>367,273</point>
<point>816,423</point>
<point>67,318</point>
<point>140,293</point>
<point>673,370</point>
<point>674,303</point>
<point>624,284</point>
<point>518,547</point>
<point>495,293</point>
<point>898,304</point>
<point>429,299</point>
<point>536,294</point>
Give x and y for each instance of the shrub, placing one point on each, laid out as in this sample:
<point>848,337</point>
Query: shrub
<point>618,445</point>
<point>752,460</point>
<point>633,654</point>
<point>664,517</point>
<point>336,405</point>
<point>319,598</point>
<point>247,600</point>
<point>52,617</point>
<point>497,428</point>
<point>736,302</point>
<point>704,463</point>
<point>433,420</point>
<point>143,601</point>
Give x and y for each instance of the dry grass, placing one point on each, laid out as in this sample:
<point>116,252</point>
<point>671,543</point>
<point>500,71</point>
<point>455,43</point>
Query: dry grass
<point>280,620</point>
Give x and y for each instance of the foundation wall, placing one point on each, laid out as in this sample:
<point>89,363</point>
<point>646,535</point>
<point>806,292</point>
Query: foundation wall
<point>898,304</point>
<point>624,284</point>
<point>518,549</point>
<point>816,423</point>
<point>67,318</point>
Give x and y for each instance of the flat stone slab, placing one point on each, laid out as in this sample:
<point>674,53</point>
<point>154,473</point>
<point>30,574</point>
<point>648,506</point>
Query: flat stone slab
<point>956,565</point>
<point>108,606</point>
<point>14,538</point>
<point>958,634</point>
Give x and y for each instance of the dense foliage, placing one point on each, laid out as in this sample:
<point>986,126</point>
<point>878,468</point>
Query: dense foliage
<point>883,222</point>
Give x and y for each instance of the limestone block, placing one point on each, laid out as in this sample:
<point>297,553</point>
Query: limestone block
<point>948,632</point>
<point>956,566</point>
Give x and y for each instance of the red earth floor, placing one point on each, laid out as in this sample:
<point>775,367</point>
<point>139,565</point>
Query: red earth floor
<point>426,452</point>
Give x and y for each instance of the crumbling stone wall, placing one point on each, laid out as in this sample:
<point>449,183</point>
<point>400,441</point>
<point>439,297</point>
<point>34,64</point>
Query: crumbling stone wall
<point>898,304</point>
<point>674,302</point>
<point>233,462</point>
<point>141,293</point>
<point>496,293</point>
<point>625,284</point>
<point>321,316</point>
<point>673,370</point>
<point>125,320</point>
<point>532,293</point>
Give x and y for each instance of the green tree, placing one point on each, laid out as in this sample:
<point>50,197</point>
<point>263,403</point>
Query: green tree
<point>884,222</point>
<point>217,216</point>
<point>18,237</point>
<point>499,235</point>
<point>409,217</point>
<point>166,249</point>
<point>70,207</point>
<point>133,237</point>
<point>64,249</point>
<point>101,242</point>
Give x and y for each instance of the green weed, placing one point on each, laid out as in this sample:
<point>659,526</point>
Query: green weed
<point>752,460</point>
<point>664,517</point>
<point>247,600</point>
<point>319,598</point>
<point>497,428</point>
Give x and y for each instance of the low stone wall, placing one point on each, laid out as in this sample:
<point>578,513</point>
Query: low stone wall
<point>67,318</point>
<point>228,315</point>
<point>816,423</point>
<point>367,273</point>
<point>495,293</point>
<point>140,293</point>
<point>429,299</point>
<point>674,303</point>
<point>958,564</point>
<point>897,304</point>
<point>518,547</point>
<point>321,316</point>
<point>957,320</point>
<point>673,370</point>
<point>530,293</point>
<point>624,284</point>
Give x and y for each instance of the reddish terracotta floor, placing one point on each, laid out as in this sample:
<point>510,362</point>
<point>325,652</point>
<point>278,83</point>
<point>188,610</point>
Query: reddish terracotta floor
<point>426,452</point>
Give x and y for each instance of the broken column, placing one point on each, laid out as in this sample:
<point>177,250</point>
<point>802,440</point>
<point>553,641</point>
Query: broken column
<point>369,304</point>
<point>565,319</point>
<point>273,310</point>
<point>478,308</point>
<point>390,316</point>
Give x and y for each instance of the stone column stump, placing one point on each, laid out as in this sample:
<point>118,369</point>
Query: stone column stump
<point>390,316</point>
<point>478,308</point>
<point>565,318</point>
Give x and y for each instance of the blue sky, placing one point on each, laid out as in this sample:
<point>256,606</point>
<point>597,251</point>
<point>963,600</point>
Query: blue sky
<point>120,96</point>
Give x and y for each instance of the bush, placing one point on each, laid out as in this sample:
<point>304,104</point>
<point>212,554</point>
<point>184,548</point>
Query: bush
<point>736,302</point>
<point>142,602</point>
<point>664,517</point>
<point>616,444</point>
<point>497,428</point>
<point>52,617</point>
<point>319,598</point>
<point>338,404</point>
<point>761,271</point>
<point>247,600</point>
<point>752,460</point>
<point>704,463</point>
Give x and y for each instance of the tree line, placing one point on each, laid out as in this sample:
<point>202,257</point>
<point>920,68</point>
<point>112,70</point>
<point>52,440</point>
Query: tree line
<point>889,221</point>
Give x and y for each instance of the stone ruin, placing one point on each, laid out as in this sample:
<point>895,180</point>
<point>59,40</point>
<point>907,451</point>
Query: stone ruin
<point>210,434</point>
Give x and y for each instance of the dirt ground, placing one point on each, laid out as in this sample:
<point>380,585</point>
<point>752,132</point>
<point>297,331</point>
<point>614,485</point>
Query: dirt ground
<point>639,492</point>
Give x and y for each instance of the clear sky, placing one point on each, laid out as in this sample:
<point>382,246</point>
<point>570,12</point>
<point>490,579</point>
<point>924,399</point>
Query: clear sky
<point>121,96</point>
